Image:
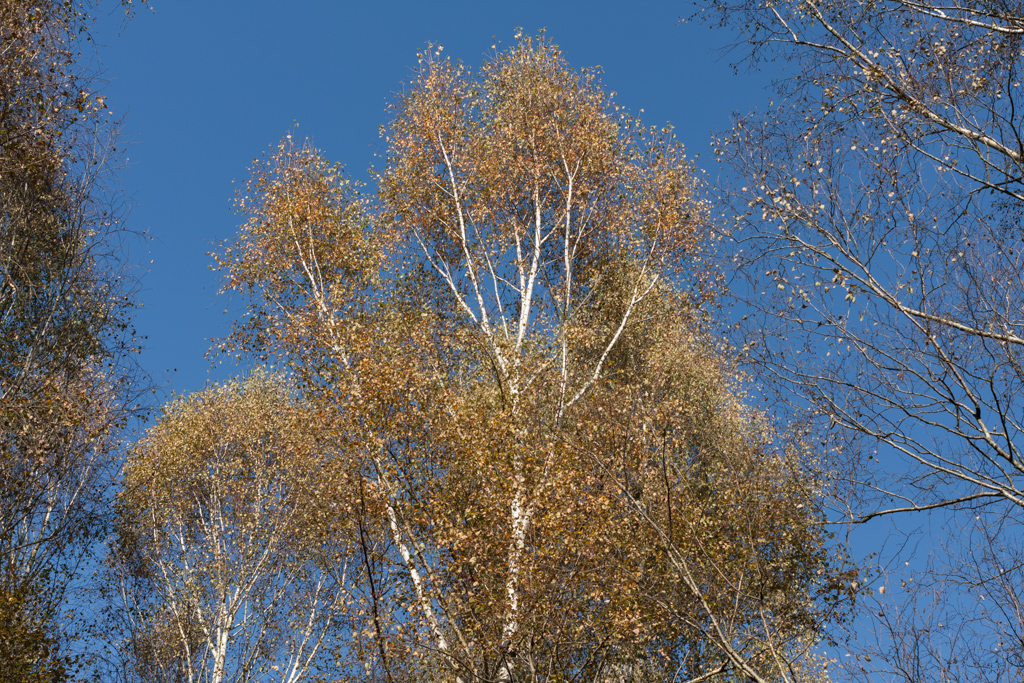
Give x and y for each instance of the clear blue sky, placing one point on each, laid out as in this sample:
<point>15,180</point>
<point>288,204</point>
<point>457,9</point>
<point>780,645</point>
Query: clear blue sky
<point>204,87</point>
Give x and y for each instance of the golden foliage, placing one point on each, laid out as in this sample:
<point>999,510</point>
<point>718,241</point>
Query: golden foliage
<point>234,534</point>
<point>557,473</point>
<point>66,382</point>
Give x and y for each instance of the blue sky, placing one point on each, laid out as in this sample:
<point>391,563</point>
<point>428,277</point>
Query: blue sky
<point>204,87</point>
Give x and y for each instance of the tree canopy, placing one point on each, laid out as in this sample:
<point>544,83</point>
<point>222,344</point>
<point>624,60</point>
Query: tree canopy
<point>67,381</point>
<point>509,338</point>
<point>486,427</point>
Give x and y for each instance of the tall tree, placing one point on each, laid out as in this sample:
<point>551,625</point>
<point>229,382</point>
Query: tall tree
<point>509,338</point>
<point>879,248</point>
<point>66,382</point>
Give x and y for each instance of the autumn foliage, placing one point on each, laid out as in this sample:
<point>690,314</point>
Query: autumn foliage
<point>67,381</point>
<point>533,461</point>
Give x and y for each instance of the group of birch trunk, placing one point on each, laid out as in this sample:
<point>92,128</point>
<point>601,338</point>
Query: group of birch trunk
<point>498,442</point>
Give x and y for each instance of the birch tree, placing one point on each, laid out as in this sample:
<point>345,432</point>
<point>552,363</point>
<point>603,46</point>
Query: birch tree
<point>67,381</point>
<point>878,249</point>
<point>517,193</point>
<point>232,562</point>
<point>481,331</point>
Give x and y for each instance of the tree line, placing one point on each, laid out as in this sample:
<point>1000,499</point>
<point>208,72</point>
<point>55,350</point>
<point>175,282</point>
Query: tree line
<point>492,432</point>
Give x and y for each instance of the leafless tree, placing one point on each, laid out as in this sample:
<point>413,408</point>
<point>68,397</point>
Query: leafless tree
<point>877,252</point>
